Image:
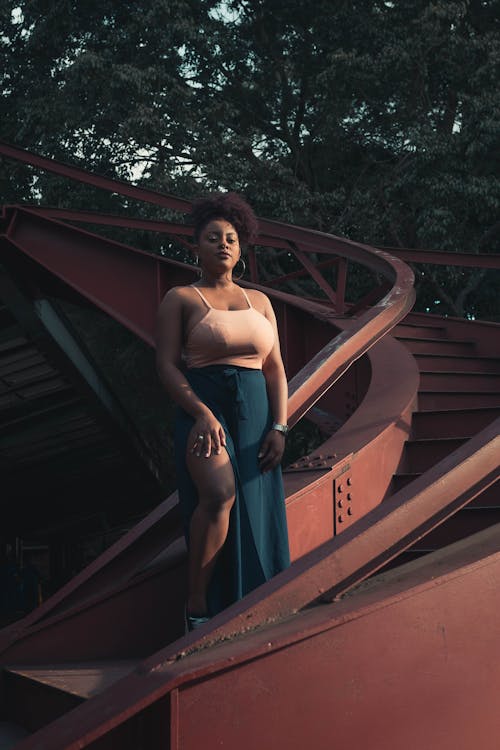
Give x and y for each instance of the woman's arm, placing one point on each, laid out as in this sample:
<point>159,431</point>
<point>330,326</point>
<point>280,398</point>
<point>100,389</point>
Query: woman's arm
<point>277,388</point>
<point>168,337</point>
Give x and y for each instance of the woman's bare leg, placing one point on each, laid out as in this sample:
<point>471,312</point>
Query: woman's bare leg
<point>214,480</point>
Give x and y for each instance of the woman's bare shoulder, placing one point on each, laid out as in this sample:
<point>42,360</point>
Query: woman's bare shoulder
<point>181,291</point>
<point>175,302</point>
<point>257,296</point>
<point>259,300</point>
<point>178,294</point>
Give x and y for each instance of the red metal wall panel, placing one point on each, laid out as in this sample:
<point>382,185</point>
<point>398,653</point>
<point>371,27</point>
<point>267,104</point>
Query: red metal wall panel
<point>416,670</point>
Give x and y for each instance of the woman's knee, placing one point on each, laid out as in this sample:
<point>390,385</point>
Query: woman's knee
<point>215,483</point>
<point>217,501</point>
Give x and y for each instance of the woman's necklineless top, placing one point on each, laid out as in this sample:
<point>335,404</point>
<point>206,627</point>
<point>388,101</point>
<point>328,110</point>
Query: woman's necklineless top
<point>230,337</point>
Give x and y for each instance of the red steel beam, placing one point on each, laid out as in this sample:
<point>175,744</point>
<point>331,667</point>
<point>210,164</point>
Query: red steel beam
<point>432,257</point>
<point>129,285</point>
<point>89,178</point>
<point>341,285</point>
<point>445,258</point>
<point>309,239</point>
<point>336,357</point>
<point>177,231</point>
<point>356,657</point>
<point>182,205</point>
<point>339,564</point>
<point>406,662</point>
<point>302,272</point>
<point>124,282</point>
<point>174,229</point>
<point>422,511</point>
<point>336,566</point>
<point>368,299</point>
<point>377,424</point>
<point>111,220</point>
<point>314,273</point>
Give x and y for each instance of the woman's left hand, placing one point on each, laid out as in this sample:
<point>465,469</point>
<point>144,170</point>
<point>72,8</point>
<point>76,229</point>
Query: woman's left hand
<point>271,450</point>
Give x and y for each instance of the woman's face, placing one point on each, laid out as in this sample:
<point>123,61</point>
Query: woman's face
<point>218,246</point>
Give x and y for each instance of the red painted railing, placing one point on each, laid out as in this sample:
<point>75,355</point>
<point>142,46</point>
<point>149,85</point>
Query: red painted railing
<point>135,284</point>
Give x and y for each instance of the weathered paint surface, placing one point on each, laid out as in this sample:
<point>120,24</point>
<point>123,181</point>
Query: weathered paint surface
<point>363,670</point>
<point>409,663</point>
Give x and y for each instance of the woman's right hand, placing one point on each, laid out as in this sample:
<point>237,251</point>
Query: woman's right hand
<point>207,436</point>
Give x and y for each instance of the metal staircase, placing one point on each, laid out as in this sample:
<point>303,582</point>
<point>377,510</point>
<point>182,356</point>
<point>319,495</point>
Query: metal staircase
<point>328,651</point>
<point>458,396</point>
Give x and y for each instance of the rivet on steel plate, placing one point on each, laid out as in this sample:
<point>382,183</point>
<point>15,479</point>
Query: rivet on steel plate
<point>348,495</point>
<point>349,511</point>
<point>349,481</point>
<point>340,519</point>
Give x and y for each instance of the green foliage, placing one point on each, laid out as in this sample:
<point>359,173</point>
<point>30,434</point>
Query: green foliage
<point>375,120</point>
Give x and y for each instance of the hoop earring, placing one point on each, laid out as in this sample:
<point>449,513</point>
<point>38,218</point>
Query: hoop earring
<point>237,278</point>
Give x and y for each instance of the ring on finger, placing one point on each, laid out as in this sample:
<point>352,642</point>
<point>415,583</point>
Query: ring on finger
<point>200,437</point>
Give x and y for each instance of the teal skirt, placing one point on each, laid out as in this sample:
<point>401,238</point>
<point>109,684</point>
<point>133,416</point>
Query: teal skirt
<point>256,547</point>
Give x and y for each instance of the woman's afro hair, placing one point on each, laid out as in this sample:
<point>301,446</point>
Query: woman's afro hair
<point>228,206</point>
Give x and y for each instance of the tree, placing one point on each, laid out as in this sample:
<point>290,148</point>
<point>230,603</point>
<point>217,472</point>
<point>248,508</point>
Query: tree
<point>377,120</point>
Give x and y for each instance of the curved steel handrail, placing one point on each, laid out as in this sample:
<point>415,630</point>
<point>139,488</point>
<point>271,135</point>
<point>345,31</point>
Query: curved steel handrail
<point>311,381</point>
<point>392,524</point>
<point>308,386</point>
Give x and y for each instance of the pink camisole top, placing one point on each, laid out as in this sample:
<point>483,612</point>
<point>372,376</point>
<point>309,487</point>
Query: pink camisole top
<point>229,337</point>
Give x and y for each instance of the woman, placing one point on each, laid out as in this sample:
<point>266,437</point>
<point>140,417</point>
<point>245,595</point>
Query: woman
<point>219,358</point>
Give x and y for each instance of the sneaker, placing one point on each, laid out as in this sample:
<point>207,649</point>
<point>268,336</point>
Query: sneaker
<point>192,622</point>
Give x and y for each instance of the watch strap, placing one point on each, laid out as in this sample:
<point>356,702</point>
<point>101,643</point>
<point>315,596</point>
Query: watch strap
<point>283,428</point>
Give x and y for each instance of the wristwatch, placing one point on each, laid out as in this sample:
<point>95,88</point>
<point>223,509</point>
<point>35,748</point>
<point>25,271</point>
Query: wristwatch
<point>283,428</point>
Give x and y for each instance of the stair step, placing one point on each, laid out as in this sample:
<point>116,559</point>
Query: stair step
<point>84,680</point>
<point>437,346</point>
<point>37,695</point>
<point>460,381</point>
<point>489,498</point>
<point>431,321</point>
<point>431,400</point>
<point>420,455</point>
<point>464,523</point>
<point>416,331</point>
<point>10,734</point>
<point>459,526</point>
<point>449,423</point>
<point>457,363</point>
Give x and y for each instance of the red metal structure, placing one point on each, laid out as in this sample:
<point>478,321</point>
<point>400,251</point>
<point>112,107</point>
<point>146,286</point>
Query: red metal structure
<point>320,656</point>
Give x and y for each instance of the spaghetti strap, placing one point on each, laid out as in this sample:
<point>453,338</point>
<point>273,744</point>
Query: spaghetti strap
<point>203,297</point>
<point>246,297</point>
